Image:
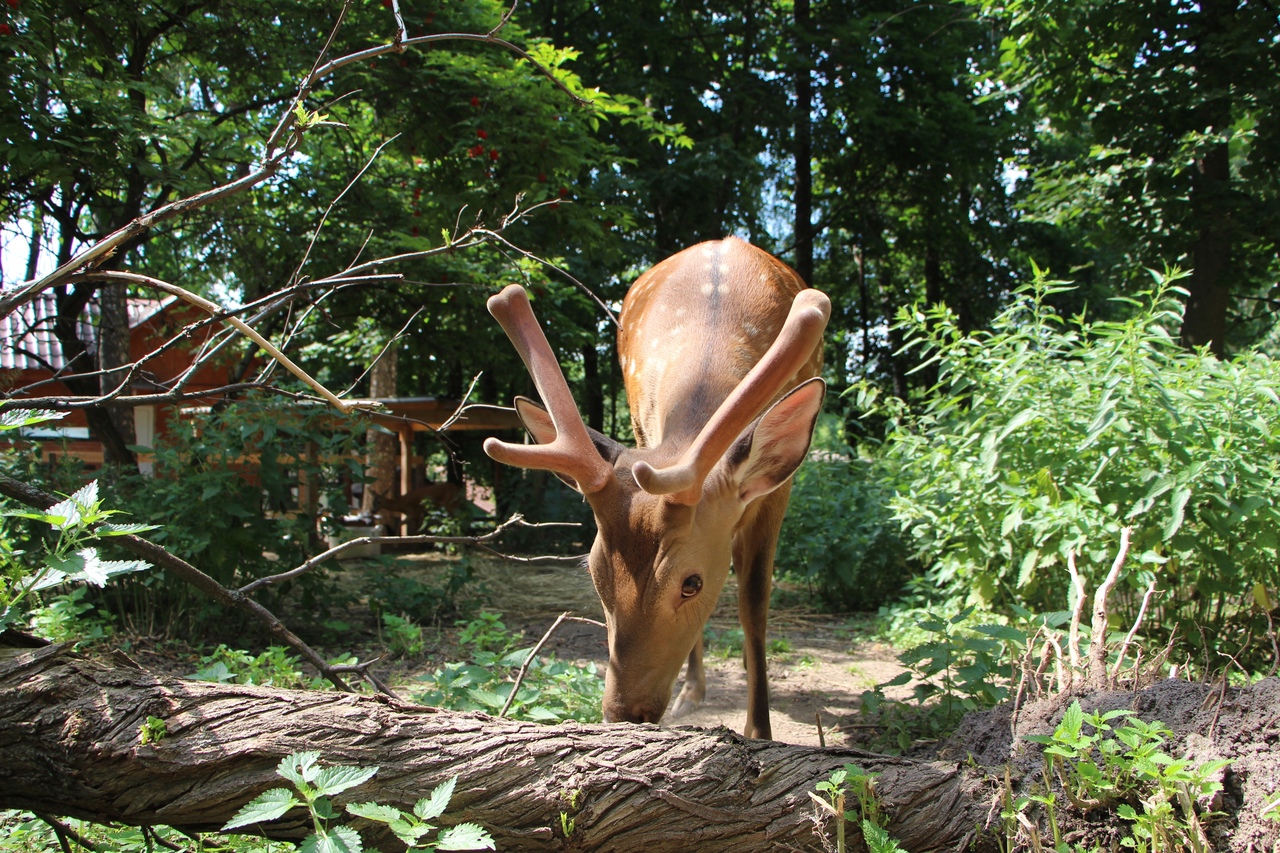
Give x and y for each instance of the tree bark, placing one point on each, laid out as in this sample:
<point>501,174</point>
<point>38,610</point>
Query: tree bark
<point>383,447</point>
<point>804,145</point>
<point>1209,286</point>
<point>69,741</point>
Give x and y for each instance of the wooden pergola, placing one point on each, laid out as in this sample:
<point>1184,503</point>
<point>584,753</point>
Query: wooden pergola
<point>407,415</point>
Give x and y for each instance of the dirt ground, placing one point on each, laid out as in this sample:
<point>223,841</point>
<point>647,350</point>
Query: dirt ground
<point>819,664</point>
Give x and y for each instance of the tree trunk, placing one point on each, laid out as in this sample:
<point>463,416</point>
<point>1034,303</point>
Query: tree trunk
<point>113,354</point>
<point>804,146</point>
<point>69,743</point>
<point>1209,286</point>
<point>383,447</point>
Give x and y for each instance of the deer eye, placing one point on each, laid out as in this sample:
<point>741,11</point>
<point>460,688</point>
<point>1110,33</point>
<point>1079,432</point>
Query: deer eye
<point>692,586</point>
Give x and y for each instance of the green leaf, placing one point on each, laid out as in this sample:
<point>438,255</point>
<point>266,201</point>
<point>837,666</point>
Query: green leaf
<point>339,839</point>
<point>465,836</point>
<point>1177,511</point>
<point>375,811</point>
<point>335,780</point>
<point>17,418</point>
<point>487,698</point>
<point>298,767</point>
<point>267,806</point>
<point>124,529</point>
<point>1002,632</point>
<point>1020,419</point>
<point>430,808</point>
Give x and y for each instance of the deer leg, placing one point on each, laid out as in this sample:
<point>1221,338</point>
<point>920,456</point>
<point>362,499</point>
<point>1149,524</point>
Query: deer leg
<point>695,683</point>
<point>753,549</point>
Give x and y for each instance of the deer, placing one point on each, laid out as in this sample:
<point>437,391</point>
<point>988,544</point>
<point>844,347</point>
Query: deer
<point>720,347</point>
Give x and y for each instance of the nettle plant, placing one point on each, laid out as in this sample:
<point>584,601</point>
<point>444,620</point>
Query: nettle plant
<point>1113,759</point>
<point>551,691</point>
<point>1045,436</point>
<point>314,786</point>
<point>70,558</point>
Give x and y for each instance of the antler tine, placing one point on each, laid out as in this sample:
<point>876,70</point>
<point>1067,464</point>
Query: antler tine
<point>793,347</point>
<point>572,452</point>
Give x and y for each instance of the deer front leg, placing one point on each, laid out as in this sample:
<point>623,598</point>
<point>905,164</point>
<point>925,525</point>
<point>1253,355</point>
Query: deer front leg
<point>695,684</point>
<point>753,549</point>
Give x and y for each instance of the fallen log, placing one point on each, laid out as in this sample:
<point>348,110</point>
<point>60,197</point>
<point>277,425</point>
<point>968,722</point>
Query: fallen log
<point>70,744</point>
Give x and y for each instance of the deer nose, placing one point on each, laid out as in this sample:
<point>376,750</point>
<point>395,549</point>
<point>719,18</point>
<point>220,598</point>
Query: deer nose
<point>622,712</point>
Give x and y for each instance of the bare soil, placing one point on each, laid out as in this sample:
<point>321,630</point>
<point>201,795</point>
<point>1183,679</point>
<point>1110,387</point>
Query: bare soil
<point>819,664</point>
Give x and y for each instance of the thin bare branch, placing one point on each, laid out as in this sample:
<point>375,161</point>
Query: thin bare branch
<point>497,237</point>
<point>1077,611</point>
<point>385,349</point>
<point>324,217</point>
<point>516,520</point>
<point>217,310</point>
<point>1124,647</point>
<point>533,653</point>
<point>457,413</point>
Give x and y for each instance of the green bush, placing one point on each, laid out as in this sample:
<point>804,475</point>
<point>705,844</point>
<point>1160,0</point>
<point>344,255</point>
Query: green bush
<point>840,535</point>
<point>1045,436</point>
<point>552,690</point>
<point>223,489</point>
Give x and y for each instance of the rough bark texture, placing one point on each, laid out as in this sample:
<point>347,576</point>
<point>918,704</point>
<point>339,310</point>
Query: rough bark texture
<point>69,741</point>
<point>384,447</point>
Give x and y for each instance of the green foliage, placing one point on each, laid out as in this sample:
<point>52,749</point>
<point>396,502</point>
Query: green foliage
<point>723,644</point>
<point>314,786</point>
<point>1099,765</point>
<point>869,815</point>
<point>839,534</point>
<point>70,558</point>
<point>552,691</point>
<point>152,730</point>
<point>1044,437</point>
<point>412,827</point>
<point>1153,141</point>
<point>22,832</point>
<point>420,600</point>
<point>69,618</point>
<point>275,666</point>
<point>959,664</point>
<point>224,485</point>
<point>403,636</point>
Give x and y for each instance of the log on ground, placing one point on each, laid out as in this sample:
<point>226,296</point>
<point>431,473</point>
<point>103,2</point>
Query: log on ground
<point>70,744</point>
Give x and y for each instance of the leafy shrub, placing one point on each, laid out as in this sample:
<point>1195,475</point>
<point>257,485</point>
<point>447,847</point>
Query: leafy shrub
<point>840,534</point>
<point>423,601</point>
<point>276,666</point>
<point>552,691</point>
<point>223,488</point>
<point>1045,436</point>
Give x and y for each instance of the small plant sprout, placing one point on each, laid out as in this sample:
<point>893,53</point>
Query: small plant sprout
<point>412,828</point>
<point>1096,770</point>
<point>314,786</point>
<point>862,785</point>
<point>152,731</point>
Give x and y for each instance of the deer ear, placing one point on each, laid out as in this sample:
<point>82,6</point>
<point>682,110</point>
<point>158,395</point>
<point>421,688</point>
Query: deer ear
<point>537,420</point>
<point>772,448</point>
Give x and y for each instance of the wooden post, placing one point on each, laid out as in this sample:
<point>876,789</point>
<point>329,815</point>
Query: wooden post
<point>406,473</point>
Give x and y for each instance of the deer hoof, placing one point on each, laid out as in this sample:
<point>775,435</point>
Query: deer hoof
<point>687,702</point>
